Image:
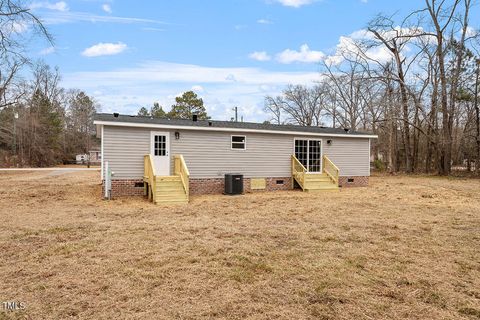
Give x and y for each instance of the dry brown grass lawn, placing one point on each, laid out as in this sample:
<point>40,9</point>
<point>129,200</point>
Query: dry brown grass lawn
<point>403,248</point>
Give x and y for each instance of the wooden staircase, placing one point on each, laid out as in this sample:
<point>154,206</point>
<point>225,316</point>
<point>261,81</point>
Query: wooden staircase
<point>315,182</point>
<point>167,189</point>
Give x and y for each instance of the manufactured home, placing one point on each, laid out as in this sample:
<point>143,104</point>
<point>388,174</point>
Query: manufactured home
<point>170,159</point>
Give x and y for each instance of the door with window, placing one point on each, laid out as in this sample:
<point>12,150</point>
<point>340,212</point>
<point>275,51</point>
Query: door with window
<point>309,153</point>
<point>160,151</point>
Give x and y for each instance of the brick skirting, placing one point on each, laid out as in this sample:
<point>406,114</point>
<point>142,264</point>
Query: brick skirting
<point>216,185</point>
<point>126,187</point>
<point>357,181</point>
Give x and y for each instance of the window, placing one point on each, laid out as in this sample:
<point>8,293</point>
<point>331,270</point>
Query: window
<point>239,142</point>
<point>160,147</point>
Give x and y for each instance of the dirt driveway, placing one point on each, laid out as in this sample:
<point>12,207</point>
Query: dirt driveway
<point>403,248</point>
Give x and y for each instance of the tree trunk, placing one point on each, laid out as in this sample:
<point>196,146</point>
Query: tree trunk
<point>477,118</point>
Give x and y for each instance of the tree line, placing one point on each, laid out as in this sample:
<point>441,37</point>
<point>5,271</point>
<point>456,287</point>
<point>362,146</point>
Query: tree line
<point>185,107</point>
<point>413,81</point>
<point>41,123</point>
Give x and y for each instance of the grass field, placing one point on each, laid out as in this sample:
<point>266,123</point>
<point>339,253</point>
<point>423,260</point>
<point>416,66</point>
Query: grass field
<point>403,248</point>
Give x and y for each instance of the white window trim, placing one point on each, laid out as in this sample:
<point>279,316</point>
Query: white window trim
<point>308,153</point>
<point>244,142</point>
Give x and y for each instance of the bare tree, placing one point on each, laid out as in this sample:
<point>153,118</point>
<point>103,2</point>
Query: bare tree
<point>17,26</point>
<point>300,105</point>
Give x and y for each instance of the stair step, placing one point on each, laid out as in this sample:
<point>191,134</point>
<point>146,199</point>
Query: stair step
<point>171,196</point>
<point>167,178</point>
<point>168,183</point>
<point>319,183</point>
<point>168,188</point>
<point>171,201</point>
<point>322,189</point>
<point>319,180</point>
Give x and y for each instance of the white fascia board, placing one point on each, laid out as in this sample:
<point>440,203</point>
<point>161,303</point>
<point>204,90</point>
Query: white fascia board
<point>173,127</point>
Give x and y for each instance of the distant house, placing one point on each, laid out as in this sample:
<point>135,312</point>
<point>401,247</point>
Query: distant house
<point>169,159</point>
<point>93,157</point>
<point>81,158</point>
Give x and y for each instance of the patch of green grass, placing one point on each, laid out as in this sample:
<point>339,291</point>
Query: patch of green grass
<point>245,269</point>
<point>430,295</point>
<point>470,312</point>
<point>357,262</point>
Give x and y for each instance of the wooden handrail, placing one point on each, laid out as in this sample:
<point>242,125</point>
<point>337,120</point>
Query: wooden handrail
<point>149,173</point>
<point>330,169</point>
<point>180,169</point>
<point>298,171</point>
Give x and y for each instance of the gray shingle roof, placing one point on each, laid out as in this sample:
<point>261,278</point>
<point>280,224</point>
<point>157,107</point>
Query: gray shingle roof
<point>222,124</point>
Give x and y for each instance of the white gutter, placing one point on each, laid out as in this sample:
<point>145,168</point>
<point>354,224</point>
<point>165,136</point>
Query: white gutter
<point>174,127</point>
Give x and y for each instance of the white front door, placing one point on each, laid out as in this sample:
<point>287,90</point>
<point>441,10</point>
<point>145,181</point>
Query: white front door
<point>160,151</point>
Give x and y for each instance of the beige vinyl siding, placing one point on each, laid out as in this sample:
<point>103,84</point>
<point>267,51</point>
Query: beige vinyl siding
<point>209,154</point>
<point>350,155</point>
<point>124,149</point>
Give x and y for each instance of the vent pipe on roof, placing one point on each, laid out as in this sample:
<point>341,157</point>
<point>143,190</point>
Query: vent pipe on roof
<point>194,117</point>
<point>116,114</point>
<point>347,130</point>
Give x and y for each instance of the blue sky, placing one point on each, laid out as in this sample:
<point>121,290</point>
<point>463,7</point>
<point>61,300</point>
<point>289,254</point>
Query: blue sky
<point>129,54</point>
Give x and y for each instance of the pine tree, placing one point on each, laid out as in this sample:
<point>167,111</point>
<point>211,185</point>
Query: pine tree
<point>143,112</point>
<point>187,105</point>
<point>157,111</point>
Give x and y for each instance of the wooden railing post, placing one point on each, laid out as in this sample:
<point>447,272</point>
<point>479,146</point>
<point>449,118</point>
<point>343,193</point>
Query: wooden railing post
<point>298,171</point>
<point>331,169</point>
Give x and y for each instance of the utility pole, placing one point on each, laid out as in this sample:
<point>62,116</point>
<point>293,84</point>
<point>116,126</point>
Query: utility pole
<point>236,113</point>
<point>15,117</point>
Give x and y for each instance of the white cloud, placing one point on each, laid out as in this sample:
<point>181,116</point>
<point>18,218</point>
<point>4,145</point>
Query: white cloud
<point>153,29</point>
<point>259,56</point>
<point>354,44</point>
<point>471,32</point>
<point>162,81</point>
<point>304,55</point>
<point>264,21</point>
<point>17,27</point>
<point>57,6</point>
<point>295,3</point>
<point>68,17</point>
<point>240,27</point>
<point>230,77</point>
<point>364,1</point>
<point>104,49</point>
<point>107,8</point>
<point>197,88</point>
<point>47,51</point>
<point>165,72</point>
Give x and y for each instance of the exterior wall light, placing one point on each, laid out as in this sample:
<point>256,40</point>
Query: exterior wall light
<point>177,135</point>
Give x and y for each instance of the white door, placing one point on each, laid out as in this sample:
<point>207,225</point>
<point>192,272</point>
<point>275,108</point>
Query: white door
<point>160,151</point>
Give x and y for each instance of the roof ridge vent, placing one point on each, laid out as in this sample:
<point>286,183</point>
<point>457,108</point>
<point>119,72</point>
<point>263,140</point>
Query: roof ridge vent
<point>116,114</point>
